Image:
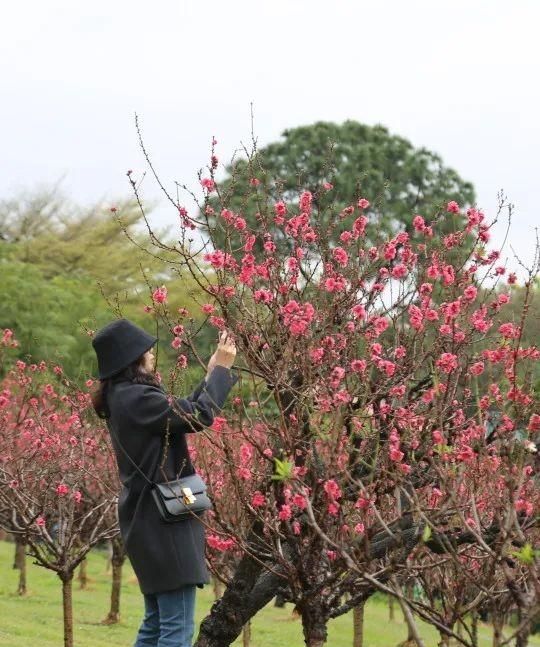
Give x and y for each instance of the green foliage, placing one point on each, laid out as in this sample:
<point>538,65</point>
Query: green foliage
<point>527,554</point>
<point>66,270</point>
<point>283,470</point>
<point>48,315</point>
<point>359,160</point>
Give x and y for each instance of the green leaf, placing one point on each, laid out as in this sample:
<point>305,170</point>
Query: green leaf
<point>284,470</point>
<point>527,554</point>
<point>426,535</point>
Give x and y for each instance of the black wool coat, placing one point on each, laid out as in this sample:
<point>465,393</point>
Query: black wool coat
<point>164,556</point>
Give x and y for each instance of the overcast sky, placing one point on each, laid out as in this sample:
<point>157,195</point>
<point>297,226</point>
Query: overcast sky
<point>458,77</point>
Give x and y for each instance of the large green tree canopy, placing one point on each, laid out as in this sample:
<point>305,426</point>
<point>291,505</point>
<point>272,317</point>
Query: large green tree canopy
<point>358,160</point>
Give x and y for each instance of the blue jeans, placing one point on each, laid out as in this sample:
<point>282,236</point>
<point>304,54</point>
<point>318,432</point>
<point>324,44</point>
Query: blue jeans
<point>168,619</point>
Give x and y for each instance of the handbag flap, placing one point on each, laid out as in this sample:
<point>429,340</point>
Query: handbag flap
<point>173,489</point>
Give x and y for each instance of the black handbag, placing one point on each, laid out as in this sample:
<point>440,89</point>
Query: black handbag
<point>175,500</point>
<point>180,499</point>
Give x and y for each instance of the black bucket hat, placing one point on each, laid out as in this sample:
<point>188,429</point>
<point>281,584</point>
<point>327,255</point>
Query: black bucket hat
<point>119,344</point>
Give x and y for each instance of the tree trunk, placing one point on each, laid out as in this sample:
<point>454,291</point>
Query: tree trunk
<point>497,629</point>
<point>246,634</point>
<point>391,612</point>
<point>67,604</point>
<point>474,629</point>
<point>248,592</point>
<point>522,636</point>
<point>358,625</point>
<point>411,624</point>
<point>83,576</point>
<point>313,624</point>
<point>20,564</point>
<point>117,561</point>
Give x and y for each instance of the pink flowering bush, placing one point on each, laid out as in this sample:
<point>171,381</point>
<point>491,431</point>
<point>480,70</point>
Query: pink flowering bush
<point>363,442</point>
<point>58,479</point>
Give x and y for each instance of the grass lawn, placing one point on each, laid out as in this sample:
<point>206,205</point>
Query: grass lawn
<point>37,618</point>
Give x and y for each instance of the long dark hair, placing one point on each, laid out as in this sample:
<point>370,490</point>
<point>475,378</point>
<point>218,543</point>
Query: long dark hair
<point>134,373</point>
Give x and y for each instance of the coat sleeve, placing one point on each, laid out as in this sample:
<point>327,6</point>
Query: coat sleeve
<point>156,412</point>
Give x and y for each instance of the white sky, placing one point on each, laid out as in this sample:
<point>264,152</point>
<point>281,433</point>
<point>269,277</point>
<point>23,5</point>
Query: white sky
<point>458,77</point>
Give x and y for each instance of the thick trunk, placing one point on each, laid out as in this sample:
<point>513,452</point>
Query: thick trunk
<point>20,564</point>
<point>246,634</point>
<point>313,625</point>
<point>358,625</point>
<point>247,593</point>
<point>67,604</point>
<point>83,575</point>
<point>117,561</point>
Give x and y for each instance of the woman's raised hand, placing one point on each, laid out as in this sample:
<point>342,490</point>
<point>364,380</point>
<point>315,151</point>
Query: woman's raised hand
<point>224,355</point>
<point>226,350</point>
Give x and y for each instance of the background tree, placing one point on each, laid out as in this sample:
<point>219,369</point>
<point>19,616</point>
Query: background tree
<point>355,159</point>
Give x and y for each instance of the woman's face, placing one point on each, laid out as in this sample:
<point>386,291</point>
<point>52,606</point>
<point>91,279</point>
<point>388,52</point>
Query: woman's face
<point>149,361</point>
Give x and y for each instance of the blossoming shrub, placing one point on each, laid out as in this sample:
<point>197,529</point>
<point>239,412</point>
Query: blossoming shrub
<point>364,438</point>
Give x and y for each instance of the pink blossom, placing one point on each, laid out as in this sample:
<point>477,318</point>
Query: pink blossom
<point>534,422</point>
<point>416,317</point>
<point>77,496</point>
<point>208,184</point>
<point>437,437</point>
<point>316,355</point>
<point>470,292</point>
<point>452,207</point>
<point>359,226</point>
<point>208,308</point>
<point>359,528</point>
<point>263,296</point>
<point>327,186</point>
<point>160,295</point>
<point>296,527</point>
<point>448,274</point>
<point>217,322</point>
<point>62,489</point>
<point>477,368</point>
<point>358,365</point>
<point>332,490</point>
<point>298,317</point>
<point>447,362</point>
<point>524,506</point>
<point>363,203</point>
<point>40,521</point>
<point>305,201</point>
<point>509,330</point>
<point>419,223</point>
<point>340,256</point>
<point>399,271</point>
<point>395,454</point>
<point>358,311</point>
<point>285,512</point>
<point>466,454</point>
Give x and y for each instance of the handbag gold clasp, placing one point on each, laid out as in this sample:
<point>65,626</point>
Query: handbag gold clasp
<point>187,496</point>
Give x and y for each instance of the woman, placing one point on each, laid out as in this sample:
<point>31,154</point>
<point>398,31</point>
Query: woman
<point>168,558</point>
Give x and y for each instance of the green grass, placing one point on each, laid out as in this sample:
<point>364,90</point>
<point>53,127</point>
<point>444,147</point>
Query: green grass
<point>37,618</point>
